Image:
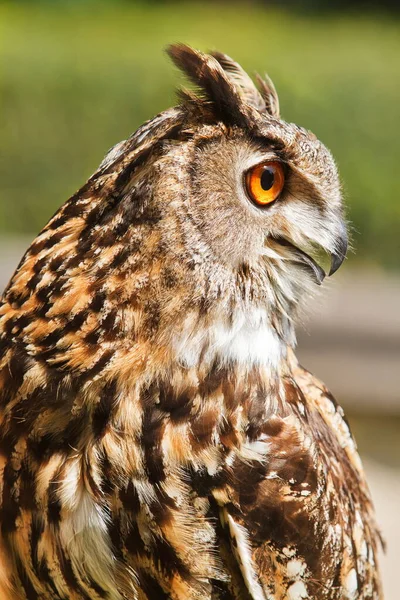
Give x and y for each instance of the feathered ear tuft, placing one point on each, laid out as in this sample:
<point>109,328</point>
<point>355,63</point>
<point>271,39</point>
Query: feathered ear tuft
<point>225,84</point>
<point>218,88</point>
<point>241,80</point>
<point>269,94</point>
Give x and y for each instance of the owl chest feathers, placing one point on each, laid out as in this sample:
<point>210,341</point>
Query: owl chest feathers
<point>247,338</point>
<point>223,442</point>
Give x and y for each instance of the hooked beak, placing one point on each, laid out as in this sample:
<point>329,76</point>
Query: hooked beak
<point>318,273</point>
<point>339,254</point>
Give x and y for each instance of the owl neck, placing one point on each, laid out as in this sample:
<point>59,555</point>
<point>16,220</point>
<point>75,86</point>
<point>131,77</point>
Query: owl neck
<point>248,338</point>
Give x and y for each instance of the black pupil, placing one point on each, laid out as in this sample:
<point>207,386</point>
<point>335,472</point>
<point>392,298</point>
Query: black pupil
<point>267,178</point>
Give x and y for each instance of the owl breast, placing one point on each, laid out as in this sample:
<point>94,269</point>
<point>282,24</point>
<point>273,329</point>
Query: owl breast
<point>244,337</point>
<point>247,483</point>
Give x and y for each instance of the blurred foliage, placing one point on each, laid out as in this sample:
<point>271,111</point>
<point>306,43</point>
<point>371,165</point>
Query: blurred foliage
<point>377,436</point>
<point>76,78</point>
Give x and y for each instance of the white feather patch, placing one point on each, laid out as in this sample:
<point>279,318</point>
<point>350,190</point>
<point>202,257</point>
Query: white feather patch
<point>249,340</point>
<point>244,557</point>
<point>83,530</point>
<point>297,591</point>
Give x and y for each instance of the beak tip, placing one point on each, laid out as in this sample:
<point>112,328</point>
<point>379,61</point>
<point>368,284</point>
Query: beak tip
<point>336,262</point>
<point>338,256</point>
<point>333,269</point>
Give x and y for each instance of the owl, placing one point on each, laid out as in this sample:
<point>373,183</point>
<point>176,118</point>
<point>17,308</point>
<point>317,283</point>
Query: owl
<point>158,438</point>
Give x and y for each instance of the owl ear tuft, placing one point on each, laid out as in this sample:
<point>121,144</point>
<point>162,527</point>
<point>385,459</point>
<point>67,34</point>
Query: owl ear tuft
<point>269,94</point>
<point>243,83</point>
<point>225,84</point>
<point>264,99</point>
<point>217,87</point>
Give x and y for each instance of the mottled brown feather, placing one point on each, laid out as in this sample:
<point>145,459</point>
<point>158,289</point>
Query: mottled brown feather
<point>158,439</point>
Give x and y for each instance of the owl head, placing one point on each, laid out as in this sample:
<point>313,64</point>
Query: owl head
<point>245,199</point>
<point>261,190</point>
<point>200,230</point>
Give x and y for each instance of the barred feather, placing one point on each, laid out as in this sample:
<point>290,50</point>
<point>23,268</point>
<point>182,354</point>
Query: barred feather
<point>158,439</point>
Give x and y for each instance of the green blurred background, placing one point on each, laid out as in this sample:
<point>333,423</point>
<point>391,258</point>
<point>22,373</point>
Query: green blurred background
<point>76,77</point>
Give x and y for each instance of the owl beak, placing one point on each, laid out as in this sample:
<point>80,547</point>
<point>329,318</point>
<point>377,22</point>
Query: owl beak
<point>339,254</point>
<point>304,259</point>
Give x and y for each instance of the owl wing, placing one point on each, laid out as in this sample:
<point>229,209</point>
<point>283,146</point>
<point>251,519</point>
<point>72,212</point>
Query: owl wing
<point>295,508</point>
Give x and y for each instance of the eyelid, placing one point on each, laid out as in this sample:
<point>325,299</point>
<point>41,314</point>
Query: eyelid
<point>259,158</point>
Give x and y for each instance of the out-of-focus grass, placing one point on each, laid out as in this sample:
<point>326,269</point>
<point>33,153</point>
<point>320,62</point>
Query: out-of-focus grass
<point>377,436</point>
<point>75,81</point>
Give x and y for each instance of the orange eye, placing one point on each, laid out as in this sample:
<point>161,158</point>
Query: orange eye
<point>264,182</point>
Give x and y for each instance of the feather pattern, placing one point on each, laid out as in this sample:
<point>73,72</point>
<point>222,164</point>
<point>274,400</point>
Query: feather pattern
<point>241,80</point>
<point>269,94</point>
<point>158,439</point>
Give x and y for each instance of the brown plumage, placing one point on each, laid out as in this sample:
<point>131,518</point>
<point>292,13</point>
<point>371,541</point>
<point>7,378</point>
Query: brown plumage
<point>158,438</point>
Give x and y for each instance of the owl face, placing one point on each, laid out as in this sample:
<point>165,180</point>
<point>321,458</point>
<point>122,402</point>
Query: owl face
<point>273,195</point>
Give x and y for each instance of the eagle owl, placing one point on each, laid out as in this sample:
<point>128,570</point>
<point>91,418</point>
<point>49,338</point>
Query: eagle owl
<point>159,440</point>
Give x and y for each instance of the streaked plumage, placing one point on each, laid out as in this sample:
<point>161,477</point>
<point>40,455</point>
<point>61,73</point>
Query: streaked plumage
<point>158,438</point>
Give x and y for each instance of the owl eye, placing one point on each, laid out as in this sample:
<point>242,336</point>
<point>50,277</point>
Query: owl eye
<point>264,182</point>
